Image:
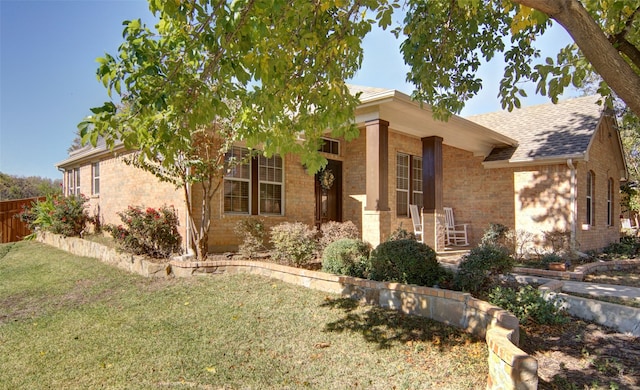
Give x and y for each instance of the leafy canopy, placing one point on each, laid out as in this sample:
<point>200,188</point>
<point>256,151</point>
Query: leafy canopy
<point>282,63</point>
<point>446,41</point>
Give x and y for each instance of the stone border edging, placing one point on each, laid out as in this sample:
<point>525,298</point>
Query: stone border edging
<point>580,271</point>
<point>509,366</point>
<point>128,262</point>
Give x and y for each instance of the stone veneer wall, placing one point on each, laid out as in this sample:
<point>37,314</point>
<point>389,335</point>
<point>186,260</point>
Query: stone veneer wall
<point>509,367</point>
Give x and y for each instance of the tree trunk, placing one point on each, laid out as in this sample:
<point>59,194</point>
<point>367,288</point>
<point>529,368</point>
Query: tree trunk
<point>595,46</point>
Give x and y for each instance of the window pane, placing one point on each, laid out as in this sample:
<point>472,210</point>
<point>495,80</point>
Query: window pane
<point>236,196</point>
<point>270,198</point>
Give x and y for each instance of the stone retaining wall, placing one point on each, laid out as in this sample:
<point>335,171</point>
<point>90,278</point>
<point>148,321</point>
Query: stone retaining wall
<point>509,366</point>
<point>132,263</point>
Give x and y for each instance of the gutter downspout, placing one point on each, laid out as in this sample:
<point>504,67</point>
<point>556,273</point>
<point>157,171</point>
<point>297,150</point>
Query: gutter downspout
<point>573,205</point>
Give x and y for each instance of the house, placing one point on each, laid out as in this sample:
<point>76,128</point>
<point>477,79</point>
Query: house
<point>547,168</point>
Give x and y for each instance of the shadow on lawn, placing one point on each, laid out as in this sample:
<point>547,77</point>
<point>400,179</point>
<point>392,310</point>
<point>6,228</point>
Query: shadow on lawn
<point>387,327</point>
<point>583,355</point>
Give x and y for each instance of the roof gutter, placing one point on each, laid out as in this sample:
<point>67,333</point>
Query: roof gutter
<point>534,161</point>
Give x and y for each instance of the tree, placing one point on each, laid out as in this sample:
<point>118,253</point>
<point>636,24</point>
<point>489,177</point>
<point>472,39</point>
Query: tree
<point>16,187</point>
<point>446,41</point>
<point>270,73</point>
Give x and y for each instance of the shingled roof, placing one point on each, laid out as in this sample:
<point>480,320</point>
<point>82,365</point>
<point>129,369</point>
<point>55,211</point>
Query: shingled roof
<point>545,131</point>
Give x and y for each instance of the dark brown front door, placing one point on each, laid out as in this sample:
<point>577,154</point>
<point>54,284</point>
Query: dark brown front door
<point>329,193</point>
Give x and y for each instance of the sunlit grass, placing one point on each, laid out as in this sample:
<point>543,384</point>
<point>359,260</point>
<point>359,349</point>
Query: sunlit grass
<point>75,323</point>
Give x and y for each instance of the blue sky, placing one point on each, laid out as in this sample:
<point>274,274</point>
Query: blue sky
<point>47,74</point>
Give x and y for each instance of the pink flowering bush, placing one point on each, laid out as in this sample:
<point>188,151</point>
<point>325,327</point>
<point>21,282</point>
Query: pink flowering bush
<point>151,232</point>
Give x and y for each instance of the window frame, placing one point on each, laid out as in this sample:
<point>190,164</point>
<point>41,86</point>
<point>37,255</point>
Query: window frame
<point>610,197</point>
<point>589,210</point>
<point>265,175</point>
<point>413,181</point>
<point>239,178</point>
<point>95,178</point>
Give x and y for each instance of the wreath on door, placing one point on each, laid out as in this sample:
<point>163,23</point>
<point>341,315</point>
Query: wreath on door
<point>326,178</point>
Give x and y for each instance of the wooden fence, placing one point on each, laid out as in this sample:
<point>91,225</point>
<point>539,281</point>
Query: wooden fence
<point>11,228</point>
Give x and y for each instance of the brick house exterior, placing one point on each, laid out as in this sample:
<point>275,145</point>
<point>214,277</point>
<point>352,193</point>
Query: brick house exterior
<point>489,169</point>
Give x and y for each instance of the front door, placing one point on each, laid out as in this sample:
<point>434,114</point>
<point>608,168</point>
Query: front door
<point>329,193</point>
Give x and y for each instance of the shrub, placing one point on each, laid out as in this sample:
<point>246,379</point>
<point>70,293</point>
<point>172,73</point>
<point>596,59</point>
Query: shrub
<point>528,305</point>
<point>405,261</point>
<point>151,232</point>
<point>293,243</point>
<point>60,215</point>
<point>480,267</point>
<point>401,234</point>
<point>254,234</point>
<point>347,256</point>
<point>333,231</point>
<point>548,258</point>
<point>627,248</point>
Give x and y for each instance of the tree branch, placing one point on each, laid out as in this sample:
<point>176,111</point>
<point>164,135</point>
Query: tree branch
<point>595,46</point>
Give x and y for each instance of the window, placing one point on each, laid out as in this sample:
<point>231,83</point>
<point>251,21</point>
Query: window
<point>330,146</point>
<point>590,186</point>
<point>95,182</point>
<point>237,181</point>
<point>408,183</point>
<point>70,186</point>
<point>270,184</point>
<point>73,182</point>
<point>610,202</point>
<point>253,185</point>
<point>77,181</point>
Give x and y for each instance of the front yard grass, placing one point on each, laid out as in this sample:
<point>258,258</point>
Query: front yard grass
<point>75,323</point>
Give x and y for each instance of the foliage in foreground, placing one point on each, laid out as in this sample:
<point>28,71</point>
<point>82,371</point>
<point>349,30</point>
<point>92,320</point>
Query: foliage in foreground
<point>333,231</point>
<point>75,322</point>
<point>67,215</point>
<point>528,304</point>
<point>347,256</point>
<point>293,243</point>
<point>254,234</point>
<point>405,261</point>
<point>478,269</point>
<point>151,232</point>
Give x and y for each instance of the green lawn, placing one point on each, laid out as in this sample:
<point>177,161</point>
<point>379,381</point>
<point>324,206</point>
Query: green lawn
<point>71,322</point>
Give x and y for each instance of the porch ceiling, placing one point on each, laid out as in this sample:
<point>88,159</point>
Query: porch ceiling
<point>409,117</point>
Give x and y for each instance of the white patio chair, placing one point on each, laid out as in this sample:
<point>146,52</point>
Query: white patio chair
<point>416,218</point>
<point>456,234</point>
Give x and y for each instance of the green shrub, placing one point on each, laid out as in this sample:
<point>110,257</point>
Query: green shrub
<point>60,215</point>
<point>253,234</point>
<point>293,243</point>
<point>627,248</point>
<point>333,231</point>
<point>150,232</point>
<point>401,234</point>
<point>478,269</point>
<point>548,258</point>
<point>405,261</point>
<point>347,256</point>
<point>528,305</point>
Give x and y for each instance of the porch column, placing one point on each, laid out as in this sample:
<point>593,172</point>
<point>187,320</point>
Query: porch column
<point>377,160</point>
<point>432,179</point>
<point>376,216</point>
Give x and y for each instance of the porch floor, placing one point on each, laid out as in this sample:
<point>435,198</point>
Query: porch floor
<point>451,256</point>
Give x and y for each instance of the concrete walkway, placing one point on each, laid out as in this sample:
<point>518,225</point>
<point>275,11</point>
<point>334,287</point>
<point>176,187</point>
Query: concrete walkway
<point>594,289</point>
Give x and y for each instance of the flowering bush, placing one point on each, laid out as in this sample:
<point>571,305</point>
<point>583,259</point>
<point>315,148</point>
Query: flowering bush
<point>151,232</point>
<point>60,215</point>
